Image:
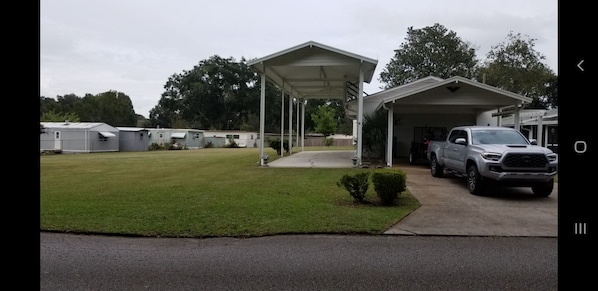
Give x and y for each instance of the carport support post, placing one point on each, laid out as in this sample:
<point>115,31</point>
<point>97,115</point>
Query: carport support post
<point>297,127</point>
<point>303,125</point>
<point>282,124</point>
<point>262,116</point>
<point>516,119</point>
<point>390,111</point>
<point>539,131</point>
<point>359,116</point>
<point>290,141</point>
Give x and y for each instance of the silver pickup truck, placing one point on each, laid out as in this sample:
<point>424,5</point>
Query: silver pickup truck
<point>486,155</point>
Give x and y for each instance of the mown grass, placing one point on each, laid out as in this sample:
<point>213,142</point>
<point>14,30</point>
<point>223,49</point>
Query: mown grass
<point>202,193</point>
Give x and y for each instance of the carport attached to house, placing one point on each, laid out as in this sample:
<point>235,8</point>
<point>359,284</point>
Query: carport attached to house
<point>441,103</point>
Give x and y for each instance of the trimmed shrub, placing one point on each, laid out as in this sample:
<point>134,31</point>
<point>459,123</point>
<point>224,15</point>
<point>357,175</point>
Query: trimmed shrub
<point>357,185</point>
<point>388,184</point>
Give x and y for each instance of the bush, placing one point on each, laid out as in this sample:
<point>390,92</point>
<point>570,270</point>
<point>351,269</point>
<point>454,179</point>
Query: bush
<point>356,184</point>
<point>275,145</point>
<point>232,144</point>
<point>388,184</point>
<point>156,147</point>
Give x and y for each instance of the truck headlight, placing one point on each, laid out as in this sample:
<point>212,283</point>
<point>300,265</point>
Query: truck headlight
<point>491,156</point>
<point>551,157</point>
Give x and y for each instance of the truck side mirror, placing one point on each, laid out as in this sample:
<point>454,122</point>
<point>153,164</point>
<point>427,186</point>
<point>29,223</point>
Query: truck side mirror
<point>533,141</point>
<point>461,141</point>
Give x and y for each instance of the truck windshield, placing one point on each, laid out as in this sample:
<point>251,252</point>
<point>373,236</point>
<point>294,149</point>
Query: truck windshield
<point>497,137</point>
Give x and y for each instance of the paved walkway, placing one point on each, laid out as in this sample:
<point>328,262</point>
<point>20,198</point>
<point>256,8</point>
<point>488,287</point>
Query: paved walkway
<point>316,159</point>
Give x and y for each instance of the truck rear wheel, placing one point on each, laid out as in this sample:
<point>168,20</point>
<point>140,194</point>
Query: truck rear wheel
<point>474,181</point>
<point>544,189</point>
<point>412,158</point>
<point>436,169</point>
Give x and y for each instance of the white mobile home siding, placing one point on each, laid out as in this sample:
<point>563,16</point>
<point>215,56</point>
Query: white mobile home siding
<point>133,139</point>
<point>79,137</point>
<point>242,138</point>
<point>188,138</point>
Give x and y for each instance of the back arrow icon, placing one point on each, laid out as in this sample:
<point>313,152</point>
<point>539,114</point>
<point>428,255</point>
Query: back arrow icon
<point>579,65</point>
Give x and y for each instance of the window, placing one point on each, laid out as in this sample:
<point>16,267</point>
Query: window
<point>141,136</point>
<point>178,135</point>
<point>454,135</point>
<point>104,135</point>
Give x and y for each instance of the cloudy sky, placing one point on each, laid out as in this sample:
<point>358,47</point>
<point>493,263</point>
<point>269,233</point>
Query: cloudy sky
<point>134,46</point>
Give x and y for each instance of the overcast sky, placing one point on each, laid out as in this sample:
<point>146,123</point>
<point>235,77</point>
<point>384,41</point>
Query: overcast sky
<point>134,46</point>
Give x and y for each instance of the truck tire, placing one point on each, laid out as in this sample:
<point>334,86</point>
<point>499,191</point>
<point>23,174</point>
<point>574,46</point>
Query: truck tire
<point>412,158</point>
<point>474,181</point>
<point>436,169</point>
<point>544,189</point>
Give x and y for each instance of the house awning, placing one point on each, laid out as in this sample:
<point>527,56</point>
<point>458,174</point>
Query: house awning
<point>107,134</point>
<point>178,135</point>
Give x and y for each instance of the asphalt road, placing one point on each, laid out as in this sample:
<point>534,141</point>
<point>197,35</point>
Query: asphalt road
<point>298,262</point>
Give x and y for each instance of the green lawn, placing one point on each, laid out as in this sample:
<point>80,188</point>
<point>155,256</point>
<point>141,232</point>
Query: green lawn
<point>202,193</point>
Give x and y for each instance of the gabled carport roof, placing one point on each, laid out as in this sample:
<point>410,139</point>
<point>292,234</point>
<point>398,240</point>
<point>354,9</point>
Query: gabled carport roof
<point>457,91</point>
<point>315,71</point>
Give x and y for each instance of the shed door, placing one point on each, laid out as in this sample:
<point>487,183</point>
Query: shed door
<point>57,141</point>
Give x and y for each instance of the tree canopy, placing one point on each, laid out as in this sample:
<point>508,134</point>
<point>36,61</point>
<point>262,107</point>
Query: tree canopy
<point>218,93</point>
<point>514,65</point>
<point>429,51</point>
<point>325,120</point>
<point>111,107</point>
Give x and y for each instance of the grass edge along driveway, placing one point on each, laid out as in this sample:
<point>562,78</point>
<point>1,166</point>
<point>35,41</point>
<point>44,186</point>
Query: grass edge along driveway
<point>216,192</point>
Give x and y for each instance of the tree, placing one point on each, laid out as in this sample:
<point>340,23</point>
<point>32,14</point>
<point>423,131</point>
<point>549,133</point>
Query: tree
<point>217,93</point>
<point>374,131</point>
<point>515,66</point>
<point>47,104</point>
<point>430,51</point>
<point>53,116</point>
<point>324,120</point>
<point>112,107</point>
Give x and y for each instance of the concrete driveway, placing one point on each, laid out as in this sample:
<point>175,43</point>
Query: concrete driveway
<point>447,206</point>
<point>449,209</point>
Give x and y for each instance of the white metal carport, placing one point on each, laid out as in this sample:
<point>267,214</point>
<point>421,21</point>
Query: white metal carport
<point>314,71</point>
<point>432,96</point>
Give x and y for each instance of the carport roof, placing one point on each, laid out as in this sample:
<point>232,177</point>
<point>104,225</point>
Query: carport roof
<point>436,95</point>
<point>454,91</point>
<point>313,70</point>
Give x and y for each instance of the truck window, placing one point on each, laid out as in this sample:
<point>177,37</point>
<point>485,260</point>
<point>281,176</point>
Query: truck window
<point>455,134</point>
<point>497,137</point>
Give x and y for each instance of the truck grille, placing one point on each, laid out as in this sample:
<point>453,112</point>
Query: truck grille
<point>525,160</point>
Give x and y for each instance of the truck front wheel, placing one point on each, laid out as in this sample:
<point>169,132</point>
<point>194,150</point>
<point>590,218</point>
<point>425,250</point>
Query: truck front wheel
<point>544,189</point>
<point>436,169</point>
<point>474,181</point>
